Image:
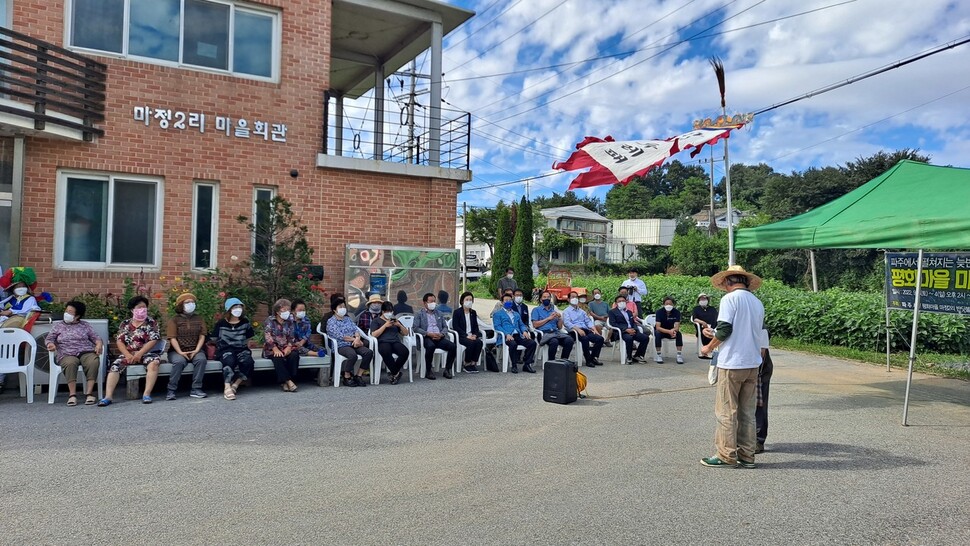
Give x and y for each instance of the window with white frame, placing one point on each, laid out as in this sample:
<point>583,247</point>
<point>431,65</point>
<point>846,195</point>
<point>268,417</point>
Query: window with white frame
<point>106,220</point>
<point>205,225</point>
<point>220,35</point>
<point>262,221</point>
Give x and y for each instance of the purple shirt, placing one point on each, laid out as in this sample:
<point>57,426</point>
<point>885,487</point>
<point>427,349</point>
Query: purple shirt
<point>432,322</point>
<point>73,339</point>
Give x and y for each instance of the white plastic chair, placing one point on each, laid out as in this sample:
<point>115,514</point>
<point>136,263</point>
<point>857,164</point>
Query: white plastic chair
<point>439,354</point>
<point>337,359</point>
<point>371,341</point>
<point>11,340</point>
<point>409,341</point>
<point>698,327</point>
<point>56,370</point>
<point>650,322</point>
<point>378,361</point>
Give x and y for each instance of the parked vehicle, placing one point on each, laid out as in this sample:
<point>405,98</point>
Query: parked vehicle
<point>472,267</point>
<point>559,284</point>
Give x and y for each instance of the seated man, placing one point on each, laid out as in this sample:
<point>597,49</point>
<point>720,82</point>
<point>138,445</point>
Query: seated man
<point>668,327</point>
<point>548,321</point>
<point>600,311</point>
<point>576,320</point>
<point>518,303</point>
<point>705,316</point>
<point>429,323</point>
<point>508,324</point>
<point>627,322</point>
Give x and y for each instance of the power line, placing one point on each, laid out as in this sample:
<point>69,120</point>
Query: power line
<point>506,10</point>
<point>509,37</point>
<point>513,182</point>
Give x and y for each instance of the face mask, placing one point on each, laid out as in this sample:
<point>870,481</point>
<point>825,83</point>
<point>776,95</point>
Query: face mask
<point>189,308</point>
<point>574,301</point>
<point>468,304</point>
<point>582,300</point>
<point>341,311</point>
<point>633,277</point>
<point>388,315</point>
<point>20,291</point>
<point>621,305</point>
<point>140,314</point>
<point>703,303</point>
<point>375,308</point>
<point>518,299</point>
<point>285,315</point>
<point>547,302</point>
<point>597,296</point>
<point>236,311</point>
<point>507,305</point>
<point>432,305</point>
<point>509,276</point>
<point>668,308</point>
<point>300,314</point>
<point>68,318</point>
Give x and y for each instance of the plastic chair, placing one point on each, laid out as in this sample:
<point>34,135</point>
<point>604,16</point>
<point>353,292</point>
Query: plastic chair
<point>11,341</point>
<point>378,361</point>
<point>699,344</point>
<point>409,341</point>
<point>439,354</point>
<point>56,371</point>
<point>375,370</point>
<point>650,322</point>
<point>337,359</point>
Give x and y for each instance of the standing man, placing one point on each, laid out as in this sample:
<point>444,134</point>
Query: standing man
<point>738,334</point>
<point>576,320</point>
<point>764,381</point>
<point>432,326</point>
<point>548,321</point>
<point>637,290</point>
<point>507,283</point>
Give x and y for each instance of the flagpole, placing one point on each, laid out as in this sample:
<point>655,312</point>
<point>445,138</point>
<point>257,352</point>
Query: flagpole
<point>719,74</point>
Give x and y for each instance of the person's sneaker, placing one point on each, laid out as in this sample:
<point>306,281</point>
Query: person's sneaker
<point>658,359</point>
<point>716,462</point>
<point>196,393</point>
<point>348,382</point>
<point>146,399</point>
<point>170,395</point>
<point>680,358</point>
<point>361,382</point>
<point>471,368</point>
<point>760,448</point>
<point>746,464</point>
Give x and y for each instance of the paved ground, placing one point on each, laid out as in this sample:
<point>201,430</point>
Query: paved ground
<point>481,459</point>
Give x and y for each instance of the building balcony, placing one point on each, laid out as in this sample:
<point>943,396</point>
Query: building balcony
<point>49,91</point>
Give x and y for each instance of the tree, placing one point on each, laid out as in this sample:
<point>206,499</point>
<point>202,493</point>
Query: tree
<point>522,248</point>
<point>864,169</point>
<point>694,253</point>
<point>569,198</point>
<point>480,226</point>
<point>503,245</point>
<point>626,202</point>
<point>554,240</point>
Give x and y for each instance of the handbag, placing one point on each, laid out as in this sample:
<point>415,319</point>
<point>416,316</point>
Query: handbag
<point>490,363</point>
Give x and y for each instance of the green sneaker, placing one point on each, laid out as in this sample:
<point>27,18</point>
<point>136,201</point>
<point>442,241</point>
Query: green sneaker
<point>746,464</point>
<point>716,462</point>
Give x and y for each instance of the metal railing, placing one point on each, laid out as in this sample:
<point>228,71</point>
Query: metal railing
<point>405,136</point>
<point>53,80</point>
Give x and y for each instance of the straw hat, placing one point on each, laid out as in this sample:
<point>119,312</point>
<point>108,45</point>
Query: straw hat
<point>754,281</point>
<point>375,298</point>
<point>702,295</point>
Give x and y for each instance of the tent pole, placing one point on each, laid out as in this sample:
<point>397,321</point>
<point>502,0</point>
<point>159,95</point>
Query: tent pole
<point>811,256</point>
<point>885,294</point>
<point>912,339</point>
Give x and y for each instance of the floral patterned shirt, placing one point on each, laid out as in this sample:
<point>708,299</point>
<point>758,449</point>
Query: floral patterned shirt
<point>278,335</point>
<point>303,329</point>
<point>134,337</point>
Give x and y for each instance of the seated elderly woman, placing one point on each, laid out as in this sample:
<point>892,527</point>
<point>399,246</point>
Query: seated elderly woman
<point>136,341</point>
<point>388,332</point>
<point>77,344</point>
<point>281,345</point>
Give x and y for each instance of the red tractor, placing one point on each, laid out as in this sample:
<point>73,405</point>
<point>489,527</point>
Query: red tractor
<point>559,284</point>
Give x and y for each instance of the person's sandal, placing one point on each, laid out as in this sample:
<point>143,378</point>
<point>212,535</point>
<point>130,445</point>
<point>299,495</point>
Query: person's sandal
<point>286,388</point>
<point>293,387</point>
<point>90,400</point>
<point>229,394</point>
<point>72,400</point>
<point>104,402</point>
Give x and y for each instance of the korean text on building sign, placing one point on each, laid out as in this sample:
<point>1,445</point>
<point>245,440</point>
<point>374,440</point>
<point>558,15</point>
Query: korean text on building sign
<point>239,128</point>
<point>944,287</point>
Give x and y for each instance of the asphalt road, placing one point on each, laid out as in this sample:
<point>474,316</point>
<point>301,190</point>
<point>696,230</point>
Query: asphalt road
<point>481,459</point>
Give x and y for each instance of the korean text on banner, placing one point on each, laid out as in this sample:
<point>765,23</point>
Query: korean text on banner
<point>945,286</point>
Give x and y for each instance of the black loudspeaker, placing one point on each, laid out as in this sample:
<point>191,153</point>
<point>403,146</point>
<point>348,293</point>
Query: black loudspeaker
<point>559,381</point>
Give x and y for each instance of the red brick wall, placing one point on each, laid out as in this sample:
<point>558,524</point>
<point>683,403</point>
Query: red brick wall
<point>418,212</point>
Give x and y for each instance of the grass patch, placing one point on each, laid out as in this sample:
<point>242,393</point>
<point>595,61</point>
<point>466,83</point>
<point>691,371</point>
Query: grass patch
<point>943,365</point>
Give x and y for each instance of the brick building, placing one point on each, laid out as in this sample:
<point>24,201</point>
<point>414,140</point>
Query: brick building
<point>134,132</point>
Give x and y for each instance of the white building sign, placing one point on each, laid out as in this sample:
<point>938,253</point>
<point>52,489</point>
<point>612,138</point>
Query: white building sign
<point>167,119</point>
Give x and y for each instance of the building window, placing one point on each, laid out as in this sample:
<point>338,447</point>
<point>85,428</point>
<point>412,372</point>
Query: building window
<point>210,34</point>
<point>263,223</point>
<point>108,221</point>
<point>205,225</point>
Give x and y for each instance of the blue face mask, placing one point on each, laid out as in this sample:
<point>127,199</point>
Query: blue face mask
<point>507,305</point>
<point>547,303</point>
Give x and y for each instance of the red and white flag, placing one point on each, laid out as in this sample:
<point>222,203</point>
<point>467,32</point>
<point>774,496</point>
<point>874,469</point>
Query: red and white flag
<point>611,162</point>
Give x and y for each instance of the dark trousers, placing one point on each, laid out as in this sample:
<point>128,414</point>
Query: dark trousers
<point>286,366</point>
<point>236,364</point>
<point>530,349</point>
<point>557,340</point>
<point>640,338</point>
<point>761,413</point>
<point>473,348</point>
<point>178,364</point>
<point>351,356</point>
<point>444,344</point>
<point>660,337</point>
<point>394,353</point>
<point>592,344</point>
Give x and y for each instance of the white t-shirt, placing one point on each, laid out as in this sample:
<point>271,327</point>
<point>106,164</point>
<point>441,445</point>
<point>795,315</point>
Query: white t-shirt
<point>742,349</point>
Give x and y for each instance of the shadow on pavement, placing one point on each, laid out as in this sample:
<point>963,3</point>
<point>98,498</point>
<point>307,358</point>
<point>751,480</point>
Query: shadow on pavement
<point>826,456</point>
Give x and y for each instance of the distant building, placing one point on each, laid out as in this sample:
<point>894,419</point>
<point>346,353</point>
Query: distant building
<point>703,218</point>
<point>476,248</point>
<point>629,234</point>
<point>612,241</point>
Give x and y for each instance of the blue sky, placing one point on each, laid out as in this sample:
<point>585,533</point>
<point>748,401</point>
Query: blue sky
<point>524,122</point>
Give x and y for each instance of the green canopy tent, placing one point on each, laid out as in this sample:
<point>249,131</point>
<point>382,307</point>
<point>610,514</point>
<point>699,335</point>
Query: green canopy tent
<point>911,206</point>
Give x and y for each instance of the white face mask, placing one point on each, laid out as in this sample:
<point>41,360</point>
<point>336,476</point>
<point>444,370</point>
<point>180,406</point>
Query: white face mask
<point>510,276</point>
<point>621,305</point>
<point>703,303</point>
<point>388,315</point>
<point>68,318</point>
<point>341,311</point>
<point>633,277</point>
<point>285,315</point>
<point>468,304</point>
<point>574,301</point>
<point>518,299</point>
<point>668,308</point>
<point>376,308</point>
<point>236,312</point>
<point>20,291</point>
<point>432,305</point>
<point>189,307</point>
<point>300,314</point>
<point>582,300</point>
<point>597,296</point>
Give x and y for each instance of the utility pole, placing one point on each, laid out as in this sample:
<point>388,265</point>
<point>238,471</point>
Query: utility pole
<point>464,245</point>
<point>712,226</point>
<point>411,100</point>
